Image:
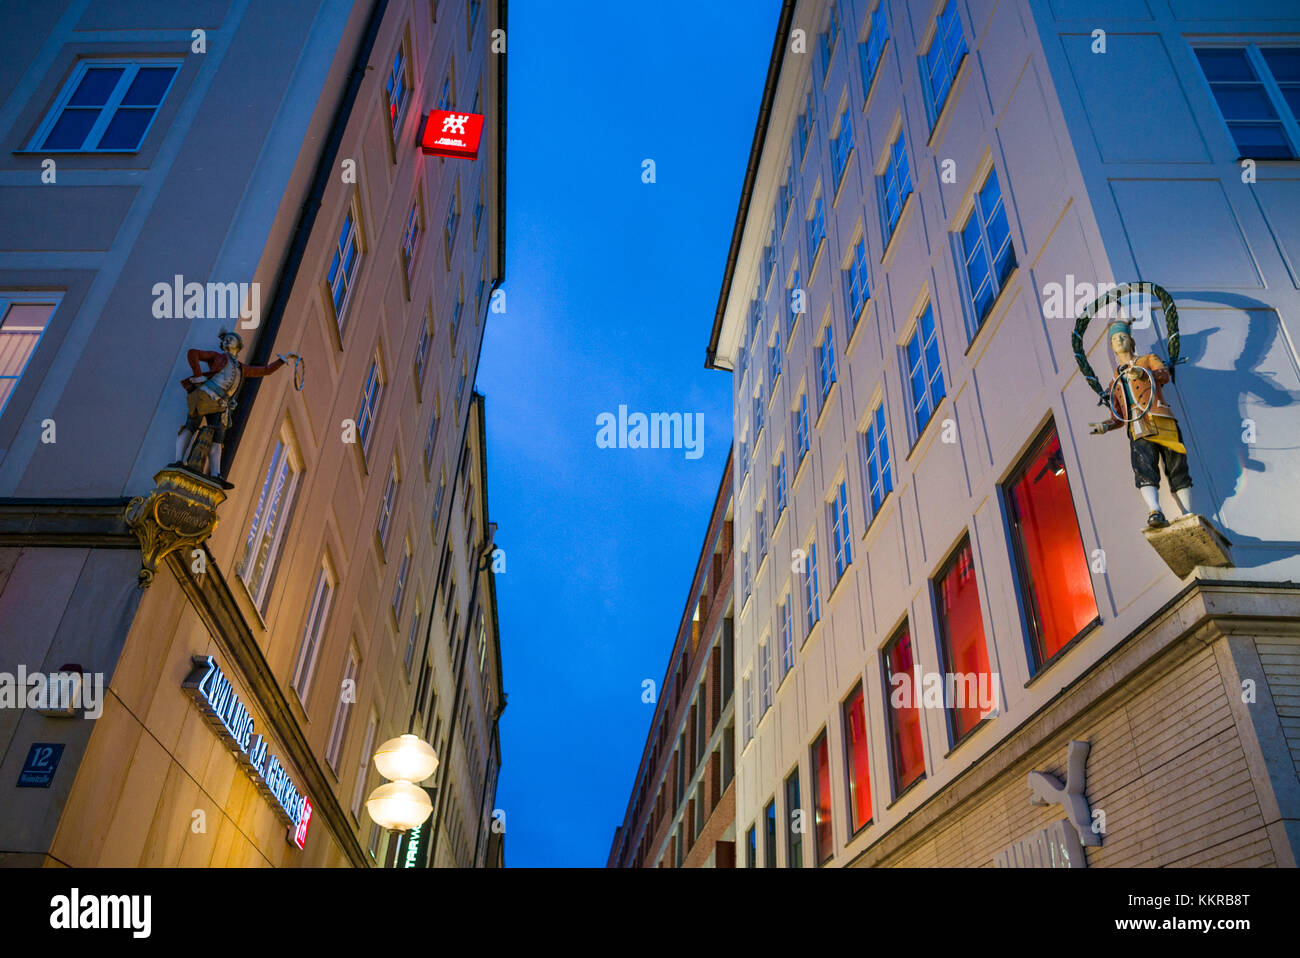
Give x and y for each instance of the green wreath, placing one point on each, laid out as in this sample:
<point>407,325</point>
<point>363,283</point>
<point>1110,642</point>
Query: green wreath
<point>1114,296</point>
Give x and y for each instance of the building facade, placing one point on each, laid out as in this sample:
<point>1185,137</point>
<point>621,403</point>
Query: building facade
<point>269,155</point>
<point>942,578</point>
<point>681,812</point>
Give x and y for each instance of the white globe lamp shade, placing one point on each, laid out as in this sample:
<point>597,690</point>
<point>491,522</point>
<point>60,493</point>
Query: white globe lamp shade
<point>399,806</point>
<point>406,758</point>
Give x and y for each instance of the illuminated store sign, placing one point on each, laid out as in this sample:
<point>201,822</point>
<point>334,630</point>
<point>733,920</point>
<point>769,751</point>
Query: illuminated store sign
<point>448,133</point>
<point>212,692</point>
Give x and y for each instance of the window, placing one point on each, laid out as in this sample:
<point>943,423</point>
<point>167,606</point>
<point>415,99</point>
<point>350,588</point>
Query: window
<point>826,363</point>
<point>312,633</point>
<point>448,94</point>
<point>856,289</point>
<point>785,616</point>
<point>829,39</point>
<point>961,634</point>
<point>744,576</point>
<point>386,504</point>
<point>399,588</point>
<point>460,383</point>
<point>1055,580</point>
<point>986,248</point>
<point>363,765</point>
<point>343,267</point>
<point>478,212</point>
<point>411,640</point>
<point>758,413</point>
<point>805,125</point>
<point>824,839</point>
<point>816,230</point>
<point>787,196</point>
<point>894,186</point>
<point>903,714</point>
<point>769,835</point>
<point>812,598</point>
<point>270,519</point>
<point>774,357</point>
<point>855,761</point>
<point>398,90</point>
<point>794,825</point>
<point>457,310</point>
<point>728,660</point>
<point>1258,93</point>
<point>453,220</point>
<point>24,318</point>
<point>422,350</point>
<point>778,488</point>
<point>747,687</point>
<point>768,264</point>
<point>841,546</point>
<point>751,847</point>
<point>411,238</point>
<point>871,49</point>
<point>764,677</point>
<point>760,535</point>
<point>431,436</point>
<point>939,63</point>
<point>842,149</point>
<point>801,429</point>
<point>875,459</point>
<point>923,370</point>
<point>474,7</point>
<point>437,502</point>
<point>342,713</point>
<point>107,106</point>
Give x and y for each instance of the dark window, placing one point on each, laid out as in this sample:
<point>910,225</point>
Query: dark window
<point>965,653</point>
<point>856,761</point>
<point>751,845</point>
<point>794,823</point>
<point>1055,579</point>
<point>769,837</point>
<point>821,773</point>
<point>906,752</point>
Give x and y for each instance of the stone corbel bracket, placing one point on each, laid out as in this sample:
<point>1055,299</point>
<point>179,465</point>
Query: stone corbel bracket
<point>180,513</point>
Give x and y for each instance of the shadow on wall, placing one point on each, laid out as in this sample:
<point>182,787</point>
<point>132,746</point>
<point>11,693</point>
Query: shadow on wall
<point>1231,389</point>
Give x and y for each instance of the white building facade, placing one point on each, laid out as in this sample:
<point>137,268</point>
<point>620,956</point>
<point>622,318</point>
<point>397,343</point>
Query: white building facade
<point>935,191</point>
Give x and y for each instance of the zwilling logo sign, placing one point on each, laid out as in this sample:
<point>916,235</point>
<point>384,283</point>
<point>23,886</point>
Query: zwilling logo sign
<point>448,133</point>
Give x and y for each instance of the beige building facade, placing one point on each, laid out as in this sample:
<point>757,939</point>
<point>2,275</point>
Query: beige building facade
<point>335,605</point>
<point>942,578</point>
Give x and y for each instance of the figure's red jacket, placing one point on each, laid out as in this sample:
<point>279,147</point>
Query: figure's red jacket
<point>216,362</point>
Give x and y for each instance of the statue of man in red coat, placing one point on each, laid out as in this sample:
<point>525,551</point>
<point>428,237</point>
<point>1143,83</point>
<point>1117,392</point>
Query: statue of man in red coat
<point>213,396</point>
<point>1137,403</point>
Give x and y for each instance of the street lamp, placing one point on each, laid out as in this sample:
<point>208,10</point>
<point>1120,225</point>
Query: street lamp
<point>400,805</point>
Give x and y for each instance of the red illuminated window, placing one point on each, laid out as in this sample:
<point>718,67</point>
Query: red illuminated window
<point>969,689</point>
<point>821,773</point>
<point>906,753</point>
<point>1055,580</point>
<point>855,754</point>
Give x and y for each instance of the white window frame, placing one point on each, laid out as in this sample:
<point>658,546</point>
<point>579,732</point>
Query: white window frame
<point>284,470</point>
<point>313,633</point>
<point>342,714</point>
<point>16,298</point>
<point>109,109</point>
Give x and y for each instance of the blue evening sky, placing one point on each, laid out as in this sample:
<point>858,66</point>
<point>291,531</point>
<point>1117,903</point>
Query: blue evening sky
<point>611,287</point>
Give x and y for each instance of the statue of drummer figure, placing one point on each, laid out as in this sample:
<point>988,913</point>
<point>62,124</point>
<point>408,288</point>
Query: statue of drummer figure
<point>1138,403</point>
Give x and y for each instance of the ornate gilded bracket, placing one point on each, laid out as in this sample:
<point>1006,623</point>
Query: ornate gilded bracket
<point>180,513</point>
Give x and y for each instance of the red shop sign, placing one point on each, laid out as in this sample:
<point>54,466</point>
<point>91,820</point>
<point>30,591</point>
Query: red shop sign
<point>448,133</point>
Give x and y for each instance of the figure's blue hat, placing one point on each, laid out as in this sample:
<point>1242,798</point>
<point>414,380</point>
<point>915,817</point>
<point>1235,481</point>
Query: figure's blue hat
<point>1120,326</point>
